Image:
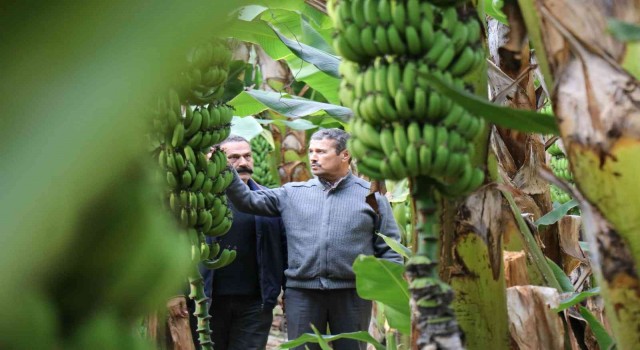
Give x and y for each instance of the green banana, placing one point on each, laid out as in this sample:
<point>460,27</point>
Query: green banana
<point>198,182</point>
<point>413,41</point>
<point>172,181</point>
<point>357,12</point>
<point>420,104</point>
<point>397,166</point>
<point>385,108</point>
<point>381,40</point>
<point>414,13</point>
<point>427,35</point>
<point>387,142</point>
<point>440,160</point>
<point>368,42</point>
<point>222,261</point>
<point>206,119</point>
<point>434,109</point>
<point>190,155</point>
<point>381,78</point>
<point>398,16</point>
<point>445,59</point>
<point>464,62</point>
<point>370,12</point>
<point>194,141</point>
<point>370,136</point>
<point>412,160</point>
<point>425,156</point>
<point>402,105</point>
<point>384,11</point>
<point>178,135</point>
<point>395,41</point>
<point>195,124</point>
<point>214,250</point>
<point>414,133</point>
<point>440,44</point>
<point>400,139</point>
<point>394,75</point>
<point>352,34</point>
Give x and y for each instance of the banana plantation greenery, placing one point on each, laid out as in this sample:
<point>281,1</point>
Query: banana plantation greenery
<point>505,134</point>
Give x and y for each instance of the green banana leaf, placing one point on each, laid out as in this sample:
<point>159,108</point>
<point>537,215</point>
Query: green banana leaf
<point>556,214</point>
<point>396,246</point>
<point>577,298</point>
<point>532,20</point>
<point>493,8</point>
<point>252,102</point>
<point>624,31</point>
<point>382,280</point>
<point>517,119</point>
<point>628,33</point>
<point>605,341</point>
<point>562,278</point>
<point>317,338</point>
<point>257,32</point>
<point>324,61</point>
<point>247,127</point>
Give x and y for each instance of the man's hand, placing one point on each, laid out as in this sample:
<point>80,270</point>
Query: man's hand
<point>177,306</point>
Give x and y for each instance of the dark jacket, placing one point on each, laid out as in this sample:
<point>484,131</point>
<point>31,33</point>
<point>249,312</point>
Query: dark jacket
<point>271,256</point>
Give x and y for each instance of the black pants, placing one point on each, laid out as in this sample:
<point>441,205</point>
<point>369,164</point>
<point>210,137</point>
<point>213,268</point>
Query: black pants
<point>342,309</point>
<point>239,323</point>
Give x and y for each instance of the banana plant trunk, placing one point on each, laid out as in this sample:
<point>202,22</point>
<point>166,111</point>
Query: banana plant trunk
<point>597,104</point>
<point>433,322</point>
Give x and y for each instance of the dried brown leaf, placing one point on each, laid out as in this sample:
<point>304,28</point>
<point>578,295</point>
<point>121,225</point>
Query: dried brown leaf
<point>532,322</point>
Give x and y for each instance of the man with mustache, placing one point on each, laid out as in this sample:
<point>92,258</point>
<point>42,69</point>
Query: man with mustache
<point>328,223</point>
<point>245,292</point>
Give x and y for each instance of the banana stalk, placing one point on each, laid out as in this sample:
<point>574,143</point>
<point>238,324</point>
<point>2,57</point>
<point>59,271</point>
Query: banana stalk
<point>433,321</point>
<point>196,284</point>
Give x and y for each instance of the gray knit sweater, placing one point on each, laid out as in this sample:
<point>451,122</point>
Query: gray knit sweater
<point>326,228</point>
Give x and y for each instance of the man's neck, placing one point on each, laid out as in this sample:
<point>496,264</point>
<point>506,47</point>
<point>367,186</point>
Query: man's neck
<point>332,180</point>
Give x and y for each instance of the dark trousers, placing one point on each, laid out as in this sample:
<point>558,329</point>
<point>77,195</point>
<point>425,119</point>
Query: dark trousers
<point>342,309</point>
<point>239,323</point>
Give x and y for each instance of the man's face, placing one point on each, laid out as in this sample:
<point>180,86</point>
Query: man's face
<point>239,156</point>
<point>325,162</point>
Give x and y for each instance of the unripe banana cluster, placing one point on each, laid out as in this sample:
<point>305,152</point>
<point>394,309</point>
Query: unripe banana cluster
<point>203,82</point>
<point>560,167</point>
<point>401,126</point>
<point>261,151</point>
<point>187,123</point>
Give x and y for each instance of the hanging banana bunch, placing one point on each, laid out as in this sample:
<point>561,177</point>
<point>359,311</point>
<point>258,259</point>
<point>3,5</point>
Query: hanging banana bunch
<point>187,123</point>
<point>560,166</point>
<point>261,151</point>
<point>403,128</point>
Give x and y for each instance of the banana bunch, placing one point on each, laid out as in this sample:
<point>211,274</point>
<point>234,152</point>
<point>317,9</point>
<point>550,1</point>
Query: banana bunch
<point>399,151</point>
<point>560,166</point>
<point>402,215</point>
<point>261,150</point>
<point>402,127</point>
<point>183,134</point>
<point>367,29</point>
<point>203,81</point>
<point>558,195</point>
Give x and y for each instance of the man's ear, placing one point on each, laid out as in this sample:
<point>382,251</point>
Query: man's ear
<point>346,155</point>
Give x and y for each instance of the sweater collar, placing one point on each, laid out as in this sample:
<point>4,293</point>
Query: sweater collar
<point>342,182</point>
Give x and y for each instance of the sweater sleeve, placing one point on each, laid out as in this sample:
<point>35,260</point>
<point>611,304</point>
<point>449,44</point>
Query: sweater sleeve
<point>389,228</point>
<point>262,202</point>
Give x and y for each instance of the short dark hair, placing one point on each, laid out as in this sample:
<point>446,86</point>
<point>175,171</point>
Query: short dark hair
<point>338,135</point>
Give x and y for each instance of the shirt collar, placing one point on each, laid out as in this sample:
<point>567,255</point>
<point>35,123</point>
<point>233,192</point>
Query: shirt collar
<point>330,186</point>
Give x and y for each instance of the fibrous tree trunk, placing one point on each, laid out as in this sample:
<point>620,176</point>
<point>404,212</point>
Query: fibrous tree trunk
<point>597,105</point>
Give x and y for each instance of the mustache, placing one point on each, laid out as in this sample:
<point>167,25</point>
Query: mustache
<point>244,170</point>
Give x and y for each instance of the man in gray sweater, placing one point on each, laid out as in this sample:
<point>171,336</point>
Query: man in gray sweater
<point>328,224</point>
